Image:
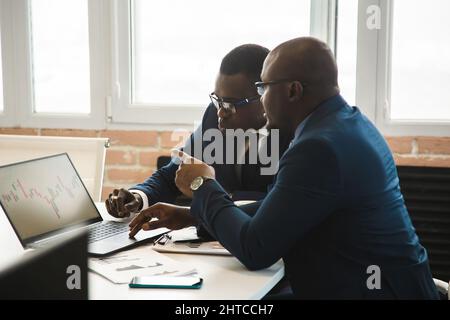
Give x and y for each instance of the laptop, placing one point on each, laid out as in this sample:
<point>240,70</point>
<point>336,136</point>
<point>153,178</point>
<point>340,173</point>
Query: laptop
<point>45,199</point>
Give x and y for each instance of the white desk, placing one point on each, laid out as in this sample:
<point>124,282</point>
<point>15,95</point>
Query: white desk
<point>224,277</point>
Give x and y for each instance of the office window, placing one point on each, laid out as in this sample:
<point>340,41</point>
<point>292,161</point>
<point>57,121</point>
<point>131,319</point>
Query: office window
<point>346,51</point>
<point>420,61</point>
<point>176,51</point>
<point>60,56</point>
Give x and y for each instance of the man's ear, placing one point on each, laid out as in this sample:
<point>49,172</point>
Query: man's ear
<point>295,91</point>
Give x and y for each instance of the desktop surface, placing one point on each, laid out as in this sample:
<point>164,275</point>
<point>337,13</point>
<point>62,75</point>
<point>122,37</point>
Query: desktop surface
<point>224,278</point>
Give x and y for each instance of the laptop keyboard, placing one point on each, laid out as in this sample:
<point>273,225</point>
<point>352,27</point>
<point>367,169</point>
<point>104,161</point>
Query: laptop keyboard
<point>106,230</point>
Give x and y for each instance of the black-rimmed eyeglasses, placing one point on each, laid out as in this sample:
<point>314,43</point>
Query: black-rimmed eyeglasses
<point>230,106</point>
<point>261,86</point>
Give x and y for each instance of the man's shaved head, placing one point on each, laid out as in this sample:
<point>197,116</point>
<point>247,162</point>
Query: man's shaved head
<point>309,68</point>
<point>306,59</point>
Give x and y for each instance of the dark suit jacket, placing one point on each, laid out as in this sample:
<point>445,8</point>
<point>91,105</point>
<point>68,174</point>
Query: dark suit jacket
<point>335,209</point>
<point>160,187</point>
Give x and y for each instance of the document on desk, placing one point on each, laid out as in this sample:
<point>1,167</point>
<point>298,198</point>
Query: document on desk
<point>211,247</point>
<point>187,241</point>
<point>143,261</point>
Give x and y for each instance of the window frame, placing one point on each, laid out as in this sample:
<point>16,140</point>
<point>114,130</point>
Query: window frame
<point>323,23</point>
<point>373,77</point>
<point>18,93</point>
<point>123,110</point>
<point>9,115</point>
<point>110,72</point>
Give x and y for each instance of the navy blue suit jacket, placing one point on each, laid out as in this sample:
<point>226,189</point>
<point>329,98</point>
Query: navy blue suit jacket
<point>160,187</point>
<point>335,209</point>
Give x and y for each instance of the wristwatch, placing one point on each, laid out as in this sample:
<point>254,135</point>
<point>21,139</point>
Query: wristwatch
<point>197,182</point>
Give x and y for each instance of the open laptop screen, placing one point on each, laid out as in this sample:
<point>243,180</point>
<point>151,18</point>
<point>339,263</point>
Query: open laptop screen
<point>44,195</point>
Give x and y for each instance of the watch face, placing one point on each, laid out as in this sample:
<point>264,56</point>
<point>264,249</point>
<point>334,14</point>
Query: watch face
<point>196,183</point>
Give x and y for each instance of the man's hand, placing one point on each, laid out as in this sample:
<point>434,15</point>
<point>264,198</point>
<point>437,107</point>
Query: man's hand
<point>121,203</point>
<point>168,215</point>
<point>189,169</point>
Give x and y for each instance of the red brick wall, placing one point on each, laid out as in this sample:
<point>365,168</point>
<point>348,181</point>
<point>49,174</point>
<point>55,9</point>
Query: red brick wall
<point>133,154</point>
<point>130,159</point>
<point>421,151</point>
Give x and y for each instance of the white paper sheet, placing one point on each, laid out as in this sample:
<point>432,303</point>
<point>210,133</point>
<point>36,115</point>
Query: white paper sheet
<point>143,261</point>
<point>187,241</point>
<point>211,247</point>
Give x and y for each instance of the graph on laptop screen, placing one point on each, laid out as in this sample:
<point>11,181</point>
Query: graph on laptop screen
<point>44,195</point>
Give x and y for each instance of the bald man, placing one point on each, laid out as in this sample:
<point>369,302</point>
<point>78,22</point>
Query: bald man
<point>335,214</point>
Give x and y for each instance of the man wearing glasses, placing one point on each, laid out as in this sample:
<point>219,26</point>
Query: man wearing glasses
<point>235,104</point>
<point>335,213</point>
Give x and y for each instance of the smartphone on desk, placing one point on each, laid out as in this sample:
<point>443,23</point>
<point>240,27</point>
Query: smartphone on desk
<point>182,282</point>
